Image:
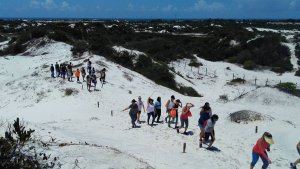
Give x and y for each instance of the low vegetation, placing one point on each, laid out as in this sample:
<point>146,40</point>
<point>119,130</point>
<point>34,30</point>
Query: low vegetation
<point>19,151</point>
<point>228,42</point>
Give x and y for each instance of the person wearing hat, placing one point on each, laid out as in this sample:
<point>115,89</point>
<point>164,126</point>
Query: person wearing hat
<point>259,150</point>
<point>133,112</point>
<point>169,105</point>
<point>293,165</point>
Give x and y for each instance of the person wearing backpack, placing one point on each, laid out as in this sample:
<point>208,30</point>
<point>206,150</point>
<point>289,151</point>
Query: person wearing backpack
<point>157,107</point>
<point>205,114</point>
<point>150,110</point>
<point>260,150</point>
<point>174,115</point>
<point>83,73</point>
<point>57,69</point>
<point>140,104</point>
<point>184,117</point>
<point>293,165</point>
<point>169,105</point>
<point>77,74</point>
<point>210,131</point>
<point>132,112</point>
<point>52,71</point>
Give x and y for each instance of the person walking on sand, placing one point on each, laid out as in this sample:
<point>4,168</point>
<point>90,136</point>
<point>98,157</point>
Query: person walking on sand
<point>140,104</point>
<point>259,150</point>
<point>205,114</point>
<point>83,73</point>
<point>57,69</point>
<point>94,81</point>
<point>102,75</point>
<point>184,117</point>
<point>210,131</point>
<point>133,112</point>
<point>88,82</point>
<point>77,74</point>
<point>52,71</point>
<point>169,105</point>
<point>150,110</point>
<point>157,107</point>
<point>293,165</point>
<point>175,108</point>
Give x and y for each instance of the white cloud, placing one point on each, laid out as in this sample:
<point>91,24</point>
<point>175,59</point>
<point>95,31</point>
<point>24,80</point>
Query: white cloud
<point>130,6</point>
<point>293,3</point>
<point>202,5</point>
<point>52,5</point>
<point>169,8</point>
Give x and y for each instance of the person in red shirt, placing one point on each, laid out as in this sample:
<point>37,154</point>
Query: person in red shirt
<point>184,117</point>
<point>259,150</point>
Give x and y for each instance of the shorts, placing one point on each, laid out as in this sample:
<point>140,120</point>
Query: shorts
<point>184,122</point>
<point>139,112</point>
<point>298,149</point>
<point>207,135</point>
<point>202,125</point>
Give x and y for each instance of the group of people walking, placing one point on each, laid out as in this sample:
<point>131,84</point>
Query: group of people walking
<point>206,123</point>
<point>153,109</point>
<point>65,70</point>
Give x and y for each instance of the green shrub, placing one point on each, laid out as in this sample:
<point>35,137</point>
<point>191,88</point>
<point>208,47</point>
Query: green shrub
<point>287,87</point>
<point>189,91</point>
<point>249,64</point>
<point>195,63</point>
<point>297,73</point>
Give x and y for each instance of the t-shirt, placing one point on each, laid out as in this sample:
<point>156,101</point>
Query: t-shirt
<point>203,117</point>
<point>140,105</point>
<point>157,105</point>
<point>210,126</point>
<point>170,105</point>
<point>150,108</point>
<point>133,108</point>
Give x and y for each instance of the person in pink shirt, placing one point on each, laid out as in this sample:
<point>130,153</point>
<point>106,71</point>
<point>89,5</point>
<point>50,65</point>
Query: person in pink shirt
<point>259,150</point>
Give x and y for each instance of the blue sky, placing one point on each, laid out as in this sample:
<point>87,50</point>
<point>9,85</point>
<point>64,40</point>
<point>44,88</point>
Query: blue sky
<point>276,9</point>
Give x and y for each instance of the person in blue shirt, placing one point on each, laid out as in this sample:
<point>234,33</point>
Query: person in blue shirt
<point>157,107</point>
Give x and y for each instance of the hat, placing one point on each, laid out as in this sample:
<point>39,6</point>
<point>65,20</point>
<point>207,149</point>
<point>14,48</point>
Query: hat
<point>268,138</point>
<point>172,97</point>
<point>133,100</point>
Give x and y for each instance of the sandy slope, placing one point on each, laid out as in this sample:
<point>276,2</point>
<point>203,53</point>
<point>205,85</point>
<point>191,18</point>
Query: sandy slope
<point>29,93</point>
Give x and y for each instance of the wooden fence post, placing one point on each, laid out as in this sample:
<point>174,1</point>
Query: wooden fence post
<point>184,147</point>
<point>267,82</point>
<point>255,80</point>
<point>256,128</point>
<point>82,87</point>
<point>206,71</point>
<point>98,104</point>
<point>191,68</point>
<point>112,113</point>
<point>232,76</point>
<point>244,78</point>
<point>198,70</point>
